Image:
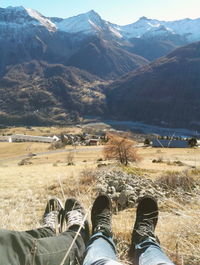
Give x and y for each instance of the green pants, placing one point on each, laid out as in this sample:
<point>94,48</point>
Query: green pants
<point>40,247</point>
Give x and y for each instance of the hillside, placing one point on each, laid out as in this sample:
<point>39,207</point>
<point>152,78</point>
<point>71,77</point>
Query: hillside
<point>165,92</point>
<point>105,59</point>
<point>41,93</point>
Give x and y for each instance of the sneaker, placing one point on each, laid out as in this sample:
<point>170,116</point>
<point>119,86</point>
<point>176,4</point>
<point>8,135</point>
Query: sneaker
<point>101,215</point>
<point>75,218</point>
<point>146,220</point>
<point>52,214</point>
<point>75,214</point>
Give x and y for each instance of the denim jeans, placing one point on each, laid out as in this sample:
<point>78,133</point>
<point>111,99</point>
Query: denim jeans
<point>149,252</point>
<point>101,250</point>
<point>40,247</point>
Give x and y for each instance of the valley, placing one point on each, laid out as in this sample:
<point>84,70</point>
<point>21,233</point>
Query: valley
<point>66,86</point>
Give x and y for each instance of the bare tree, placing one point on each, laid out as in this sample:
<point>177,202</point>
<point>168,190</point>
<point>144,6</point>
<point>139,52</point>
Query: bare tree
<point>122,148</point>
<point>70,159</point>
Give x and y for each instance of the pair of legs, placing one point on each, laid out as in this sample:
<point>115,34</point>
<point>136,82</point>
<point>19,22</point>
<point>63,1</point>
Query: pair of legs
<point>43,247</point>
<point>145,249</point>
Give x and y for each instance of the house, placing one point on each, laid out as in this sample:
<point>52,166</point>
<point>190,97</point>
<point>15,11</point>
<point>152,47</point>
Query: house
<point>56,138</point>
<point>4,138</point>
<point>169,143</point>
<point>30,138</point>
<point>92,142</point>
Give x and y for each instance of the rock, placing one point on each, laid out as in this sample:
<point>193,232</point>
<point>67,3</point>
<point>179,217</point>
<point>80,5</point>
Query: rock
<point>125,189</point>
<point>100,188</point>
<point>122,200</point>
<point>111,190</point>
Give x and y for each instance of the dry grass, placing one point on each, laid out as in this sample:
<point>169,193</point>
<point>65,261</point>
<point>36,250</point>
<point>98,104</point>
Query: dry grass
<point>10,150</point>
<point>178,231</point>
<point>43,131</point>
<point>173,180</point>
<point>24,191</point>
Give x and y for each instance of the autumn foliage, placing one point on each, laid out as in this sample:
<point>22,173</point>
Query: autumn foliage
<point>122,148</point>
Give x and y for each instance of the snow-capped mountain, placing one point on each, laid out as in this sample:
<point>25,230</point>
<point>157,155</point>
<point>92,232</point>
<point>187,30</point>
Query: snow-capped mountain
<point>144,27</point>
<point>89,23</point>
<point>186,27</point>
<point>15,17</point>
<point>25,35</point>
<point>92,23</point>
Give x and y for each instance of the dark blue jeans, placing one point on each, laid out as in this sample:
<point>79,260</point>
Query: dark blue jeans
<point>40,247</point>
<point>101,250</point>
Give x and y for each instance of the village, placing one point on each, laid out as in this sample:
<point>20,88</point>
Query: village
<point>100,137</point>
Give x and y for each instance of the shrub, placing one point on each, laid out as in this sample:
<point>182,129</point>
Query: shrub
<point>70,159</point>
<point>87,177</point>
<point>147,141</point>
<point>192,142</point>
<point>56,145</point>
<point>173,180</point>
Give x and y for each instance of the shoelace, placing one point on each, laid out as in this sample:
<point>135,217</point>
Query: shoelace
<point>51,219</point>
<point>75,217</point>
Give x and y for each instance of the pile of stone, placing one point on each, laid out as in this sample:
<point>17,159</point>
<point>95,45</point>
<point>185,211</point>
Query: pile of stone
<point>125,189</point>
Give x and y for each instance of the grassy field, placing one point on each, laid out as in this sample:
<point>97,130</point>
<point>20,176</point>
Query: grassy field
<point>42,131</point>
<point>25,189</point>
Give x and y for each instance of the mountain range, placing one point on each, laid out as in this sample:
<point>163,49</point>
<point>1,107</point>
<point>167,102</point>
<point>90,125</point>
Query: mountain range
<point>84,65</point>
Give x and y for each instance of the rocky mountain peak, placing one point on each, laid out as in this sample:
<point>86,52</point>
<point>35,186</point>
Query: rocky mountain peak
<point>143,18</point>
<point>21,16</point>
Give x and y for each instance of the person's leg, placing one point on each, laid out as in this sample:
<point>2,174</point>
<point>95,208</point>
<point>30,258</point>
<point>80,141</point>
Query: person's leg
<point>144,246</point>
<point>40,232</point>
<point>69,246</point>
<point>15,246</point>
<point>149,252</point>
<point>19,248</point>
<point>51,220</point>
<point>101,248</point>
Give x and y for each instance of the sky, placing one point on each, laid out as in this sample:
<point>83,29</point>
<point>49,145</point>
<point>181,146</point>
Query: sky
<point>121,12</point>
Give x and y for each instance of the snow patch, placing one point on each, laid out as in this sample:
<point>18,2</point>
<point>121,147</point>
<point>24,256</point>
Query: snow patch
<point>43,21</point>
<point>94,25</point>
<point>116,33</point>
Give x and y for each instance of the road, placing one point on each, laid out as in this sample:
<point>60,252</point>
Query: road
<point>77,150</point>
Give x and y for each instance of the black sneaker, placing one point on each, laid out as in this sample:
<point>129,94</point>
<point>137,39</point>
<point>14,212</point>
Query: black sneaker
<point>101,215</point>
<point>52,214</point>
<point>146,220</point>
<point>75,217</point>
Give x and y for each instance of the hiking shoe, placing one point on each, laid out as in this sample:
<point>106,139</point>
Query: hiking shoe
<point>101,215</point>
<point>74,214</point>
<point>52,214</point>
<point>146,220</point>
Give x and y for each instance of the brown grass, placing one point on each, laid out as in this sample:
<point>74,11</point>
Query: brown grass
<point>24,191</point>
<point>42,131</point>
<point>174,180</point>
